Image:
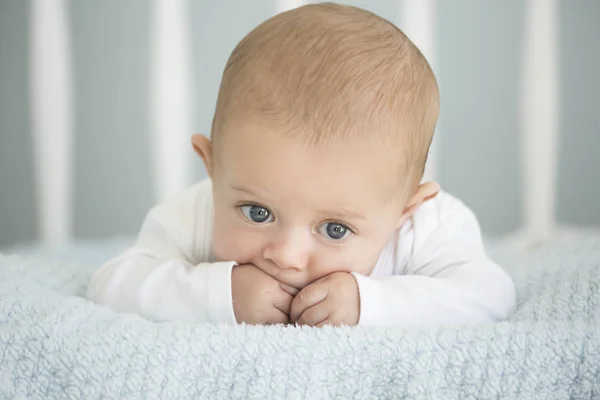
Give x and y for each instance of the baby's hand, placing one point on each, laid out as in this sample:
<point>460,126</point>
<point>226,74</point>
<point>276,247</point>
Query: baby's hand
<point>333,300</point>
<point>258,298</point>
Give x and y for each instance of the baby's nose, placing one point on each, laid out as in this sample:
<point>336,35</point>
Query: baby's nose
<point>290,251</point>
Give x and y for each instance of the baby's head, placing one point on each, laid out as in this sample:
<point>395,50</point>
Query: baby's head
<point>319,141</point>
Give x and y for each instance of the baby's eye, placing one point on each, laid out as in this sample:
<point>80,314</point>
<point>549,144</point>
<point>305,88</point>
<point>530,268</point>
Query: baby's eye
<point>334,230</point>
<point>256,213</point>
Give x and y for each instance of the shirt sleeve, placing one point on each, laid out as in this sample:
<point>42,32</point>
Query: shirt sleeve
<point>448,279</point>
<point>166,275</point>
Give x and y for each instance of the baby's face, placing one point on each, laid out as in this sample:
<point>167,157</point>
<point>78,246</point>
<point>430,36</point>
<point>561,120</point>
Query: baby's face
<point>301,212</point>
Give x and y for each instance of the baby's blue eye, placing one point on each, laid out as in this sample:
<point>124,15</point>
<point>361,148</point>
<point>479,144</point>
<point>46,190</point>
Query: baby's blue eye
<point>334,230</point>
<point>256,213</point>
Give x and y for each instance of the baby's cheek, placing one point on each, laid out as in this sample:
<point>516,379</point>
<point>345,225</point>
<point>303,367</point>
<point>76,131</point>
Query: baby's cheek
<point>224,246</point>
<point>360,269</point>
<point>232,245</point>
<point>328,265</point>
<point>361,262</point>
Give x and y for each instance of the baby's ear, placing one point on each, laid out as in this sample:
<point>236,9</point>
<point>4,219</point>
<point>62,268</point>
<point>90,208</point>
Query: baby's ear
<point>425,191</point>
<point>203,148</point>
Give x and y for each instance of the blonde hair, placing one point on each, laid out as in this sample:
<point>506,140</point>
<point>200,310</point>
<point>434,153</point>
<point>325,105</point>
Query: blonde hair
<point>325,71</point>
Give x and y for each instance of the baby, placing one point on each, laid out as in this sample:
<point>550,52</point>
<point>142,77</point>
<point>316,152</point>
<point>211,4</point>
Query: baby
<point>314,212</point>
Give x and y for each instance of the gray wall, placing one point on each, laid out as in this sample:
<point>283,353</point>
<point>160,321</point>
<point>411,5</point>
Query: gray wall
<point>479,74</point>
<point>17,201</point>
<point>113,184</point>
<point>480,44</point>
<point>579,177</point>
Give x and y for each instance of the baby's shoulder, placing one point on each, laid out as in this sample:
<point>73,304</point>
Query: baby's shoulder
<point>191,196</point>
<point>438,222</point>
<point>182,207</point>
<point>444,205</point>
<point>444,211</point>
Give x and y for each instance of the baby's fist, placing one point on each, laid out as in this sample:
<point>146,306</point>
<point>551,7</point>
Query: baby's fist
<point>331,300</point>
<point>259,298</point>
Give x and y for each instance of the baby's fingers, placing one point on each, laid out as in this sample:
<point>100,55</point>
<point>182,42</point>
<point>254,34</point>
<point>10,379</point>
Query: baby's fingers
<point>315,315</point>
<point>292,291</point>
<point>308,297</point>
<point>323,323</point>
<point>283,301</point>
<point>277,317</point>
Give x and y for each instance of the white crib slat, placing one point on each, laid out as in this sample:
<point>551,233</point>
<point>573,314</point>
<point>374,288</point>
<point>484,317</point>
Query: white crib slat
<point>539,115</point>
<point>418,20</point>
<point>51,111</point>
<point>285,5</point>
<point>171,96</point>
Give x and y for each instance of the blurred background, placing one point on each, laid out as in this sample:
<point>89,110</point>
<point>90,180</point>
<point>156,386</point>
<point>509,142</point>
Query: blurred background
<point>98,100</point>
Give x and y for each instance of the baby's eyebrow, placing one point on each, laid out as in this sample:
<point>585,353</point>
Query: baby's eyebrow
<point>260,192</point>
<point>342,213</point>
<point>242,189</point>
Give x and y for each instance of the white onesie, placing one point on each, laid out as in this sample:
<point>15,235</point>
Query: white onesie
<point>434,270</point>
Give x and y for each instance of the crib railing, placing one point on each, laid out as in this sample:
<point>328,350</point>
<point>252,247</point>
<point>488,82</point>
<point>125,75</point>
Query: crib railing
<point>171,112</point>
<point>52,118</point>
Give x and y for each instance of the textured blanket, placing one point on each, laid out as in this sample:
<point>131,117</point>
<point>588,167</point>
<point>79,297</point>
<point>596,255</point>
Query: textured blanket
<point>55,344</point>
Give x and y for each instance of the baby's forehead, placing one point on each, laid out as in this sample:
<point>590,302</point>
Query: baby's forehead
<point>288,165</point>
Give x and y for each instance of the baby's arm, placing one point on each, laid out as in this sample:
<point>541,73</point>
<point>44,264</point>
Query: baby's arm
<point>165,276</point>
<point>449,279</point>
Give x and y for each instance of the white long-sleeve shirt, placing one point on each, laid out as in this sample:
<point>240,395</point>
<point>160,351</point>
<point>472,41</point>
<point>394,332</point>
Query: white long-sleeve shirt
<point>434,270</point>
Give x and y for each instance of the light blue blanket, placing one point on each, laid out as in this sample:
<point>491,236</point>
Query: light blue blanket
<point>54,344</point>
